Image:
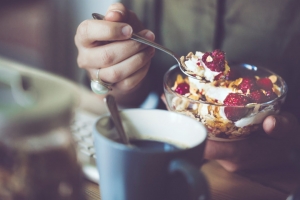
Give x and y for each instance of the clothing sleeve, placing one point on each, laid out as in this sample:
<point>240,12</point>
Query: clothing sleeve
<point>266,33</point>
<point>263,33</point>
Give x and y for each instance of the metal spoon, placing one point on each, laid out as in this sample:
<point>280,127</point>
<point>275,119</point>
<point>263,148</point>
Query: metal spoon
<point>114,112</point>
<point>152,44</point>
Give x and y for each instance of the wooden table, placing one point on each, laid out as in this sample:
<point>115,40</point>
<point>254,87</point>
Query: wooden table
<point>271,184</point>
<point>275,184</point>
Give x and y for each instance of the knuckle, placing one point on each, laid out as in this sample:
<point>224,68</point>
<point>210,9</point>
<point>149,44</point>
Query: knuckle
<point>140,59</point>
<point>232,168</point>
<point>76,41</point>
<point>82,62</point>
<point>114,75</point>
<point>106,58</point>
<point>127,85</point>
<point>117,5</point>
<point>83,29</point>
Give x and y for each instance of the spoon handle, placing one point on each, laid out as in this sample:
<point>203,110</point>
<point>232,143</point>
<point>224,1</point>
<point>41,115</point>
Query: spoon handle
<point>144,41</point>
<point>114,112</point>
<point>153,44</point>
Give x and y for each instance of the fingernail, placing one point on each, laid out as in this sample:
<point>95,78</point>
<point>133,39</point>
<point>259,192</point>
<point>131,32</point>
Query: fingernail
<point>127,30</point>
<point>111,13</point>
<point>118,11</point>
<point>269,124</point>
<point>149,35</point>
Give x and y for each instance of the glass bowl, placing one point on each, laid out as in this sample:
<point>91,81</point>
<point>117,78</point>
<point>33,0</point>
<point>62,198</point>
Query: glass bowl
<point>215,116</point>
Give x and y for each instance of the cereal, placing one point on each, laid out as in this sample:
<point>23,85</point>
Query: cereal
<point>231,106</point>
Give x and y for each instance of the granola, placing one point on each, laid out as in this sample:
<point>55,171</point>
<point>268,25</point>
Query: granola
<point>231,106</point>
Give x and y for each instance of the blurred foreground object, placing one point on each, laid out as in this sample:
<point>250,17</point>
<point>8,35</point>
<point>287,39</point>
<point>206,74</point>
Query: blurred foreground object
<point>37,154</point>
<point>40,34</point>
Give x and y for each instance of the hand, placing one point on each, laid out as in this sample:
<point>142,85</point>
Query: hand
<point>272,147</point>
<point>104,45</point>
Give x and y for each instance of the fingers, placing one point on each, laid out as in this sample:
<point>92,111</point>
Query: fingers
<point>276,126</point>
<point>104,45</point>
<point>255,152</point>
<point>108,55</point>
<point>111,54</point>
<point>134,79</point>
<point>220,150</point>
<point>110,29</point>
<point>117,13</point>
<point>90,31</point>
<point>279,126</point>
<point>118,72</point>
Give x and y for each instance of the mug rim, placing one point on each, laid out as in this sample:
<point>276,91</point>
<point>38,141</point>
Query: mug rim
<point>123,147</point>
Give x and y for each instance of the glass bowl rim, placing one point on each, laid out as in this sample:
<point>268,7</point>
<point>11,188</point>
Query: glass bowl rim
<point>283,87</point>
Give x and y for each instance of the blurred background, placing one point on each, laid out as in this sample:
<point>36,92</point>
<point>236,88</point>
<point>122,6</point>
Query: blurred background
<point>40,33</point>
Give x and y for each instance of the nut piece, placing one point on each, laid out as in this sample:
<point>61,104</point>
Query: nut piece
<point>209,59</point>
<point>182,59</point>
<point>273,78</point>
<point>238,81</point>
<point>180,104</point>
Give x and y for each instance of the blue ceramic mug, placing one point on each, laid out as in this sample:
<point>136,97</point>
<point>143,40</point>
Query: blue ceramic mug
<point>162,163</point>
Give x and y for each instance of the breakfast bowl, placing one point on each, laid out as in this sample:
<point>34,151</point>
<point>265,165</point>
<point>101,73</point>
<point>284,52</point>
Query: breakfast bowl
<point>231,109</point>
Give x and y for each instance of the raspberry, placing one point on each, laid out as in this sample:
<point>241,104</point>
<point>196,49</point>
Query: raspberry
<point>257,97</point>
<point>248,83</point>
<point>264,83</point>
<point>270,95</point>
<point>182,88</point>
<point>230,76</point>
<point>235,99</point>
<point>216,62</point>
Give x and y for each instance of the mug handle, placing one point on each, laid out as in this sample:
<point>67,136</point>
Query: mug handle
<point>195,183</point>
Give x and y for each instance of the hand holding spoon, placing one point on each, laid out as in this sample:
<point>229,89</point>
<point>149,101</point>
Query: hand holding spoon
<point>152,44</point>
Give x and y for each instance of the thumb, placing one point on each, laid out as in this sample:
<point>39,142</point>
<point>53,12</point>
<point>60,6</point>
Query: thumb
<point>280,126</point>
<point>116,12</point>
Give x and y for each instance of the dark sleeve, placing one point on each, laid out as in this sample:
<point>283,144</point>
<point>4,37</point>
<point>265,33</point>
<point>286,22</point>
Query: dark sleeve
<point>266,33</point>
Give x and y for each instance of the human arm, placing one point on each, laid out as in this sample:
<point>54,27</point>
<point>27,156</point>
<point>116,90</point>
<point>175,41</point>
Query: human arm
<point>272,147</point>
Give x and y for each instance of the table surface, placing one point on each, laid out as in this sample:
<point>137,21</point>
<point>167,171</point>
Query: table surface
<point>276,184</point>
<point>273,184</point>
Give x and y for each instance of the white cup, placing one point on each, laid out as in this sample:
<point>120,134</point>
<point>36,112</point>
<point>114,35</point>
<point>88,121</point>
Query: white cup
<point>134,173</point>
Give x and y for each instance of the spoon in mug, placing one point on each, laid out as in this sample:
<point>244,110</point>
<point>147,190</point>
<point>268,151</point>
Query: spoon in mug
<point>115,116</point>
<point>152,44</point>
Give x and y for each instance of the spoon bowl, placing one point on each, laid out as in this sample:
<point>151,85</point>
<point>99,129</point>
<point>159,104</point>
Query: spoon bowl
<point>140,39</point>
